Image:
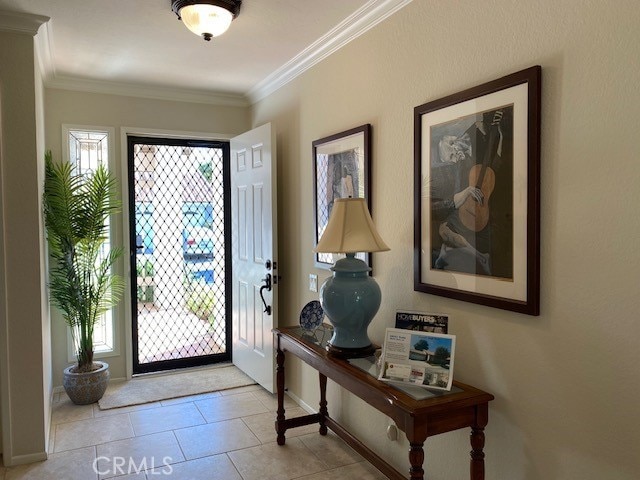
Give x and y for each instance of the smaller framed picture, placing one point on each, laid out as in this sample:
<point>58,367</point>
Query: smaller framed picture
<point>341,166</point>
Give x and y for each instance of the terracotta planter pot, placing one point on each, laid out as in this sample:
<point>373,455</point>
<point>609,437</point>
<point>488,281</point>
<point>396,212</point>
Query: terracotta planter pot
<point>85,388</point>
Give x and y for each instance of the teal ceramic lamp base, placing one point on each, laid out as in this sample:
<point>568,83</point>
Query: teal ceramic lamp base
<point>350,299</point>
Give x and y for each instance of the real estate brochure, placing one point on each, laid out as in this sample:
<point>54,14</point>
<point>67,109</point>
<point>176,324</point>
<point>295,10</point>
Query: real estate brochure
<point>418,358</point>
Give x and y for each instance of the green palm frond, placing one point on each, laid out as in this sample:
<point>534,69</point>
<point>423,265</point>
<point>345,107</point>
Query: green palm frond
<point>81,284</point>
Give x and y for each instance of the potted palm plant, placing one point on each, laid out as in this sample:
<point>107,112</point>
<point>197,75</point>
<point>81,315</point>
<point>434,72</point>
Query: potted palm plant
<point>81,283</point>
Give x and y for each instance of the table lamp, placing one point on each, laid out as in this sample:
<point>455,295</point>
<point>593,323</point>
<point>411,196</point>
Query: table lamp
<point>350,297</point>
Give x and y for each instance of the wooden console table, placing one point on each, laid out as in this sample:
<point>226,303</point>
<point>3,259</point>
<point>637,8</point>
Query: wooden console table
<point>464,406</point>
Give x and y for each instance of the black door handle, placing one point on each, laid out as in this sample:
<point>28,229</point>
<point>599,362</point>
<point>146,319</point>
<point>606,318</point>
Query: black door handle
<point>267,287</point>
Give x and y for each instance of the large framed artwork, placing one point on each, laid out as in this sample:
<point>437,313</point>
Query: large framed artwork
<point>341,166</point>
<point>477,194</point>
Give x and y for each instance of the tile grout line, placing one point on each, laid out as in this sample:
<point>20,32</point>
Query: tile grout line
<point>254,395</point>
<point>101,443</point>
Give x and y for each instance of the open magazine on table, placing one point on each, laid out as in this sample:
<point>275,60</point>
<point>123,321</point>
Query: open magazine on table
<point>418,358</point>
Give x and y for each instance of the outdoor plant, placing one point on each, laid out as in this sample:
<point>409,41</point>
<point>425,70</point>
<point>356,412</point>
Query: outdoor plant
<point>81,282</point>
<point>145,270</point>
<point>201,301</point>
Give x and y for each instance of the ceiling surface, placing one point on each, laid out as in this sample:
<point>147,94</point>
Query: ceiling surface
<point>142,44</point>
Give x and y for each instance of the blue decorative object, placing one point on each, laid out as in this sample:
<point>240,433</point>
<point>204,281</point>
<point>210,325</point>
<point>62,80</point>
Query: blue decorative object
<point>311,315</point>
<point>351,298</point>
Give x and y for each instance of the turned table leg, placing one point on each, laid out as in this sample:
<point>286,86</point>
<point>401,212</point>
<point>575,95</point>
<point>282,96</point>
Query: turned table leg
<point>477,453</point>
<point>323,404</point>
<point>477,442</point>
<point>280,428</point>
<point>416,459</point>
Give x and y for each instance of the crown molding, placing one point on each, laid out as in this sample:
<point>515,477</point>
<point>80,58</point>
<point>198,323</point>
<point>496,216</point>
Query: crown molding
<point>51,79</point>
<point>145,91</point>
<point>44,52</point>
<point>362,20</point>
<point>18,22</point>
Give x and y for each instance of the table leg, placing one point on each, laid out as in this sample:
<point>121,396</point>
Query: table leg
<point>477,442</point>
<point>323,404</point>
<point>477,453</point>
<point>416,458</point>
<point>280,428</point>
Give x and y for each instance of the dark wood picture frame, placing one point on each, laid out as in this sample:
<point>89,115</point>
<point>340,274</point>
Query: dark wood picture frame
<point>341,168</point>
<point>482,246</point>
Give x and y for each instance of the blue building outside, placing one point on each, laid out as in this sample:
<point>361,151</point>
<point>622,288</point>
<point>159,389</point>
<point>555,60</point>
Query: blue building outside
<point>197,241</point>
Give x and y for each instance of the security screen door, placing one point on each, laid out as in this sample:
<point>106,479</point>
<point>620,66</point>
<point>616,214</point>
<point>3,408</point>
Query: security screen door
<point>179,214</point>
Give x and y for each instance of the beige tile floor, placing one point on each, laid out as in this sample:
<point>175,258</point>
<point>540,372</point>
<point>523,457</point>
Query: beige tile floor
<point>216,436</point>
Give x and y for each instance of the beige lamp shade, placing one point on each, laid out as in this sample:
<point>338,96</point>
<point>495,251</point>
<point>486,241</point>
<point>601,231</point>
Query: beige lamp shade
<point>350,229</point>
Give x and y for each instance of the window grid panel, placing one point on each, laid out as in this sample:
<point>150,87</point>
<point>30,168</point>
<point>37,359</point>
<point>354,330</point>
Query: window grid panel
<point>88,150</point>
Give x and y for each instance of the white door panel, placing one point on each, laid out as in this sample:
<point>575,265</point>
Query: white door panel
<point>254,248</point>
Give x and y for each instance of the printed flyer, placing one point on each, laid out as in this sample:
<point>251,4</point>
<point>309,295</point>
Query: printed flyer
<point>418,358</point>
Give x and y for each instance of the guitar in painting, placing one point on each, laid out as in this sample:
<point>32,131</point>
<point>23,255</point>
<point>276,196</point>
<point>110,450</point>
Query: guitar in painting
<point>473,213</point>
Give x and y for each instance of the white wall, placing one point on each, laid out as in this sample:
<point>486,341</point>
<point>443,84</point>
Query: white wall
<point>89,109</point>
<point>22,329</point>
<point>566,383</point>
<point>47,386</point>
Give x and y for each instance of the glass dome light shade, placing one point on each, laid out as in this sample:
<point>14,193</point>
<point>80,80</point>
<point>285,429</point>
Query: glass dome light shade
<point>206,20</point>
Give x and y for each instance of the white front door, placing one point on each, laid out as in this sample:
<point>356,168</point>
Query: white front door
<point>254,252</point>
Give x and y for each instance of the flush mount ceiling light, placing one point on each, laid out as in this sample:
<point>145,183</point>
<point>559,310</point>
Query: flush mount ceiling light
<point>206,18</point>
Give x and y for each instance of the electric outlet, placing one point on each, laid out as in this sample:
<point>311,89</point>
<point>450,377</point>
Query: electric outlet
<point>313,282</point>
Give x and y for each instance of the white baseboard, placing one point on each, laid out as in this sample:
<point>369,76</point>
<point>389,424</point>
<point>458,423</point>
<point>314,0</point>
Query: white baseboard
<point>22,459</point>
<point>299,401</point>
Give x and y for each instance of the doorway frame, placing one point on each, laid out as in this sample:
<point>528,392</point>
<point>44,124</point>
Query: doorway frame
<point>126,132</point>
